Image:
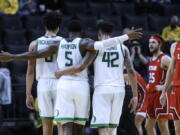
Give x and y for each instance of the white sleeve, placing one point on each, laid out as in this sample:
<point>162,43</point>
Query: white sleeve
<point>108,43</point>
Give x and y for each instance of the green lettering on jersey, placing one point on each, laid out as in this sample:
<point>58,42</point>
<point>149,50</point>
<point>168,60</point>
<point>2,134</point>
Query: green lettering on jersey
<point>106,58</point>
<point>110,58</point>
<point>68,46</point>
<point>69,60</point>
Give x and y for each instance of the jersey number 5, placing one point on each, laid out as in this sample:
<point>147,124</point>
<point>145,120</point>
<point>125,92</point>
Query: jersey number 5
<point>110,58</point>
<point>69,61</point>
<point>151,77</point>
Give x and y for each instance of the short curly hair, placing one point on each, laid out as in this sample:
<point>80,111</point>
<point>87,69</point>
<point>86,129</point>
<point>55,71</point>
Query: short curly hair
<point>105,27</point>
<point>52,20</point>
<point>75,26</point>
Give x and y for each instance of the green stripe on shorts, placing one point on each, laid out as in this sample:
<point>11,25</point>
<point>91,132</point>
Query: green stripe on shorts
<point>46,118</point>
<point>113,125</point>
<point>60,119</point>
<point>71,119</point>
<point>81,119</point>
<point>99,125</point>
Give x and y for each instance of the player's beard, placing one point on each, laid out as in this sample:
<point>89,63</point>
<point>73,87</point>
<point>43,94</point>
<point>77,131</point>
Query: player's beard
<point>155,51</point>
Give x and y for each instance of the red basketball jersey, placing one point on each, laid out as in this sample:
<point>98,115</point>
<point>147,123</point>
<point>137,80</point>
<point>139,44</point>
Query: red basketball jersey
<point>156,73</point>
<point>176,79</point>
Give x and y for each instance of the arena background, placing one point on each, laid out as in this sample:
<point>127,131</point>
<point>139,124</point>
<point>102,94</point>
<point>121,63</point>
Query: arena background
<point>18,28</point>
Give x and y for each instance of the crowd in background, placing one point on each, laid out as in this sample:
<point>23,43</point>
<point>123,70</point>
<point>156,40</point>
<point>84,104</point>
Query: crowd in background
<point>25,7</point>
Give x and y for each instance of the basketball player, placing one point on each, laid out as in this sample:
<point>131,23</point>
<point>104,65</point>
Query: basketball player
<point>158,66</point>
<point>142,102</point>
<point>45,68</point>
<point>109,84</point>
<point>173,75</point>
<point>73,95</point>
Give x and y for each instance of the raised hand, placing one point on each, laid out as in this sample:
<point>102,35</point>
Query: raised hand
<point>163,99</point>
<point>135,34</point>
<point>30,102</point>
<point>133,104</point>
<point>57,74</point>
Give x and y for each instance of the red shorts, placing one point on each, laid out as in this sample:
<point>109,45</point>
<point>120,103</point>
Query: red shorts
<point>154,109</point>
<point>175,103</point>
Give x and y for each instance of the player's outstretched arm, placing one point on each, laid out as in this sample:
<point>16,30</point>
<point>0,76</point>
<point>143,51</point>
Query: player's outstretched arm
<point>104,44</point>
<point>49,51</point>
<point>132,79</point>
<point>87,60</point>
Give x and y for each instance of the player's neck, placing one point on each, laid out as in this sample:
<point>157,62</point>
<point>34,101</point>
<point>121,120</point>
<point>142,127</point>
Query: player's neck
<point>105,37</point>
<point>156,54</point>
<point>50,33</point>
<point>74,35</point>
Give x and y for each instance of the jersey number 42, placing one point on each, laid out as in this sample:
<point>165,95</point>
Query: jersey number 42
<point>110,58</point>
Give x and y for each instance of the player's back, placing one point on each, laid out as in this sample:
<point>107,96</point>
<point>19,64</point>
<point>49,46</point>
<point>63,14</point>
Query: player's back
<point>46,67</point>
<point>69,55</point>
<point>108,66</point>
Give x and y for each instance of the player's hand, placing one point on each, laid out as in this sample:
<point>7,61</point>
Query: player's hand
<point>135,34</point>
<point>163,99</point>
<point>159,87</point>
<point>133,104</point>
<point>58,74</point>
<point>30,101</point>
<point>5,56</point>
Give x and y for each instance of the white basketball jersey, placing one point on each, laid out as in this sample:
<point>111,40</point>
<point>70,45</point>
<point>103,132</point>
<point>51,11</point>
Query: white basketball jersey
<point>69,55</point>
<point>46,67</point>
<point>108,67</point>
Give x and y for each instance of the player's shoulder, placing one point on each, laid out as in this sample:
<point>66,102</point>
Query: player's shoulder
<point>165,57</point>
<point>173,47</point>
<point>85,41</point>
<point>33,45</point>
<point>165,61</point>
<point>125,48</point>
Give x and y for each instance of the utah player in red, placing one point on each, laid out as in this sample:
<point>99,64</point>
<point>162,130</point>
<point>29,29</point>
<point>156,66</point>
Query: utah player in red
<point>158,66</point>
<point>140,114</point>
<point>173,74</point>
<point>142,103</point>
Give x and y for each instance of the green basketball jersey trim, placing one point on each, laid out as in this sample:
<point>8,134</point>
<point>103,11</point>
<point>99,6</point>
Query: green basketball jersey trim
<point>71,119</point>
<point>46,118</point>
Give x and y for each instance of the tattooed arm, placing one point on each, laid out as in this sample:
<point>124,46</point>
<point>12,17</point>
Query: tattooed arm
<point>132,78</point>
